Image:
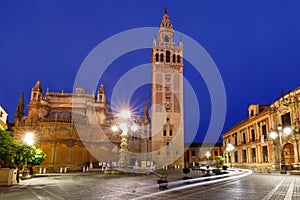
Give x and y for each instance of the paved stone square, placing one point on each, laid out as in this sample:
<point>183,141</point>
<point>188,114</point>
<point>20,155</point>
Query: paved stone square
<point>95,185</point>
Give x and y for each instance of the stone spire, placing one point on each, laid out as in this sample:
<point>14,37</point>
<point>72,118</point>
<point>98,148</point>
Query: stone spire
<point>37,86</point>
<point>36,92</point>
<point>166,31</point>
<point>166,20</point>
<point>101,97</point>
<point>101,89</point>
<point>20,109</point>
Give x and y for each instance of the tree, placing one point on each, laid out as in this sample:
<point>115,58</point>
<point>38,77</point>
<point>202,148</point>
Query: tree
<point>8,147</point>
<point>13,154</point>
<point>219,160</point>
<point>36,156</point>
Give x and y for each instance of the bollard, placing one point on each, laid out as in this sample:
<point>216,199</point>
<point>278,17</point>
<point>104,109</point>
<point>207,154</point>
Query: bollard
<point>61,170</point>
<point>44,170</point>
<point>41,170</point>
<point>83,169</point>
<point>65,170</point>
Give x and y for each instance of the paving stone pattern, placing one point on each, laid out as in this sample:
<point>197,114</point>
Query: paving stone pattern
<point>80,186</point>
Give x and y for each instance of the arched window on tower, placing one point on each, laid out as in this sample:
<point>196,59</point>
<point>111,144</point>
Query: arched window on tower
<point>174,58</point>
<point>178,58</point>
<point>167,56</point>
<point>156,57</point>
<point>161,57</point>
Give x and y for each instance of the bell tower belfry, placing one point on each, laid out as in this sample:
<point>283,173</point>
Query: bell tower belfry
<point>167,122</point>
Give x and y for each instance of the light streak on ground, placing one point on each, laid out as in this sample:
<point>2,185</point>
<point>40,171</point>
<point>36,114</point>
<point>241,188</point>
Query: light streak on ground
<point>232,176</point>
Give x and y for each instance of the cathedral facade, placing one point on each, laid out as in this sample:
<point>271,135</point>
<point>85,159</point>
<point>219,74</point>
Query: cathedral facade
<point>77,134</point>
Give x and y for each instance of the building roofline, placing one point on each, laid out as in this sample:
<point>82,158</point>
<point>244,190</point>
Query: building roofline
<point>248,120</point>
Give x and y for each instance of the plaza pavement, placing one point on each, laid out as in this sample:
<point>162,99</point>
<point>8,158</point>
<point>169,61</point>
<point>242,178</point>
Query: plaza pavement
<point>96,185</point>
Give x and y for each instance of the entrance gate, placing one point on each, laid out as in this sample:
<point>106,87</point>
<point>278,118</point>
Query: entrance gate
<point>288,152</point>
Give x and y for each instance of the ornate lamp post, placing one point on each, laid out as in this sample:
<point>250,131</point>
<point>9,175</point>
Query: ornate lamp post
<point>281,132</point>
<point>29,140</point>
<point>125,123</point>
<point>229,149</point>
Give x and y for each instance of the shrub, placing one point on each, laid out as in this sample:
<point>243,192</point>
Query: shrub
<point>186,170</point>
<point>218,171</point>
<point>224,167</point>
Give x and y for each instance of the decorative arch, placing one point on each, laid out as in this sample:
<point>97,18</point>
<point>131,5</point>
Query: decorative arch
<point>168,56</point>
<point>161,57</point>
<point>178,58</point>
<point>156,57</point>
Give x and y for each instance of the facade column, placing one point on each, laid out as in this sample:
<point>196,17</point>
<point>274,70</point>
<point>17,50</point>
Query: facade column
<point>249,155</point>
<point>258,153</point>
<point>274,156</point>
<point>296,153</point>
<point>227,158</point>
<point>270,153</point>
<point>240,159</point>
<point>70,152</point>
<point>53,152</point>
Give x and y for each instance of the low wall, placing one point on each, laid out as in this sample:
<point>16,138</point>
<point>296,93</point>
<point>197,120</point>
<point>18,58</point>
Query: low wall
<point>8,176</point>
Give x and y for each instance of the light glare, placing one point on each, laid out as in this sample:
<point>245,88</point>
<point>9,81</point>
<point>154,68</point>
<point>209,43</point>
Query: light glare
<point>134,128</point>
<point>124,114</point>
<point>287,130</point>
<point>114,128</point>
<point>273,135</point>
<point>207,154</point>
<point>124,127</point>
<point>29,138</point>
<point>229,147</point>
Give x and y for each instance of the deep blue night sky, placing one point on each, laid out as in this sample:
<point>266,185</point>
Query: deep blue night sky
<point>255,45</point>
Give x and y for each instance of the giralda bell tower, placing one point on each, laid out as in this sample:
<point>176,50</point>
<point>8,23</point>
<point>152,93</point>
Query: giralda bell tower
<point>167,122</point>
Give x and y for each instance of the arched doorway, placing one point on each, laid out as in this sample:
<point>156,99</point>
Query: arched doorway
<point>288,152</point>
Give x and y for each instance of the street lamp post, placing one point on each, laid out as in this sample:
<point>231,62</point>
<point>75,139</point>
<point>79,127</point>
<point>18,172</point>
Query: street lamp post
<point>281,132</point>
<point>229,149</point>
<point>29,141</point>
<point>124,123</point>
<point>207,156</point>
